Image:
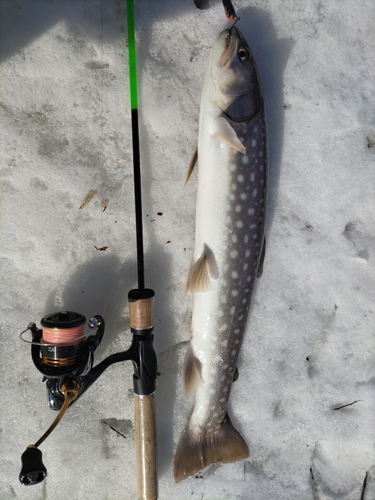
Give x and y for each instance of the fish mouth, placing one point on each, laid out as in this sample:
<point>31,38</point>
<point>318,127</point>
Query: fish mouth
<point>231,36</point>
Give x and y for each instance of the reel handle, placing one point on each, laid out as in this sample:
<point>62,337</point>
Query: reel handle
<point>33,470</point>
<point>141,314</point>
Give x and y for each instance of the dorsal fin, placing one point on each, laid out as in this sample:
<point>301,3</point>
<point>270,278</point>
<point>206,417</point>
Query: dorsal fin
<point>192,164</point>
<point>225,133</point>
<point>261,260</point>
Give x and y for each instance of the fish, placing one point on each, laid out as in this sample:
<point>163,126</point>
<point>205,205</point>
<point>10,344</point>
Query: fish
<point>232,157</point>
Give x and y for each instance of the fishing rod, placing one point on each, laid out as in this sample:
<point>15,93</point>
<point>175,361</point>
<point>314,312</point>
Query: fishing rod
<point>141,308</point>
<point>64,353</point>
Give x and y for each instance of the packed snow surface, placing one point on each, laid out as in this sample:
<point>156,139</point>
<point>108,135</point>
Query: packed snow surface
<point>309,347</point>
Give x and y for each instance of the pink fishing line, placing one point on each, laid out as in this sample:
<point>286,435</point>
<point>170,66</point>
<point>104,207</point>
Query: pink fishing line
<point>62,335</point>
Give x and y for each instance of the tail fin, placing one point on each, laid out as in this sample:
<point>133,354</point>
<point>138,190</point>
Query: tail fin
<point>196,450</point>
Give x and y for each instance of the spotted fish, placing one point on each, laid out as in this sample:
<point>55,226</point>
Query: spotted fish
<point>229,247</point>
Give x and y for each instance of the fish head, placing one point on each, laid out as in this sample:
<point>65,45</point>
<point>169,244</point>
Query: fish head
<point>233,75</point>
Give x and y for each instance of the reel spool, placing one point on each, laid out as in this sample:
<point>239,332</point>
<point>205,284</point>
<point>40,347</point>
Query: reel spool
<point>62,338</point>
<point>61,347</point>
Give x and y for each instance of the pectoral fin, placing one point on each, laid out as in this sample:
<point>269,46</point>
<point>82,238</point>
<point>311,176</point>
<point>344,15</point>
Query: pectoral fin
<point>225,133</point>
<point>202,272</point>
<point>192,164</point>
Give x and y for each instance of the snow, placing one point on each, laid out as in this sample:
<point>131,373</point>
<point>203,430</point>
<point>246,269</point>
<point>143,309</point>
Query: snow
<point>309,346</point>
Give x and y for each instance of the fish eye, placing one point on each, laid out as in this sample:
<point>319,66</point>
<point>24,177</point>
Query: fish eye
<point>243,54</point>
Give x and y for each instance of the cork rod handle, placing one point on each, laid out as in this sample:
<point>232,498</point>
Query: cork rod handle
<point>146,449</point>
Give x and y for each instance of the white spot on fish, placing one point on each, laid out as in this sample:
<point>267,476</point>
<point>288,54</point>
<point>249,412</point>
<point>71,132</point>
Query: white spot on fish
<point>225,267</point>
<point>234,274</point>
<point>234,254</point>
<point>223,328</point>
<point>255,192</point>
<point>248,278</point>
<point>239,223</point>
<point>234,352</point>
<point>234,293</point>
<point>237,342</point>
<point>253,226</point>
<point>225,367</point>
<point>238,208</point>
<point>237,331</point>
<point>247,253</point>
<point>252,177</point>
<point>244,301</point>
<point>253,143</point>
<point>245,160</point>
<point>246,238</point>
<point>223,299</point>
<point>240,178</point>
<point>234,187</point>
<point>241,317</point>
<point>255,236</point>
<point>234,238</point>
<point>250,211</point>
<point>243,196</point>
<point>245,266</point>
<point>231,197</point>
<point>222,400</point>
<point>232,310</point>
<point>233,167</point>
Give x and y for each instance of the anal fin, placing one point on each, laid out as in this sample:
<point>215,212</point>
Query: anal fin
<point>197,450</point>
<point>192,370</point>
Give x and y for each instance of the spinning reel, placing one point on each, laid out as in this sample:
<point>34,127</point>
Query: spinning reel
<point>64,354</point>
